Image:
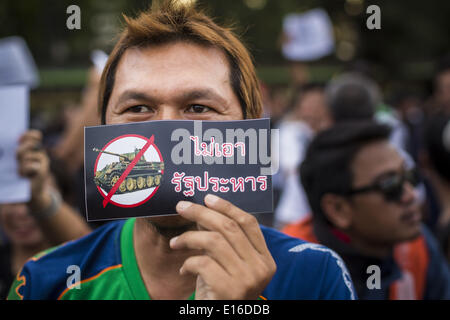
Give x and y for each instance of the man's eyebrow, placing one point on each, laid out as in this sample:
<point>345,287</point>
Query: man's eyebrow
<point>134,95</point>
<point>203,94</point>
<point>187,95</point>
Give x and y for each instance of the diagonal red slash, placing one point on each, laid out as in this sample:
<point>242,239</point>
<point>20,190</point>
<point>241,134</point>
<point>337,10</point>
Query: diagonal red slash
<point>127,171</point>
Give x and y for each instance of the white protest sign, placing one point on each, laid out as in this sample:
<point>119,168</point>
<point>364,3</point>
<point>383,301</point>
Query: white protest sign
<point>309,36</point>
<point>16,63</point>
<point>14,102</point>
<point>99,58</point>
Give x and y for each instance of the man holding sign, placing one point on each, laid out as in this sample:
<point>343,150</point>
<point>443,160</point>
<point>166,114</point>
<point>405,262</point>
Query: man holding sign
<point>174,63</point>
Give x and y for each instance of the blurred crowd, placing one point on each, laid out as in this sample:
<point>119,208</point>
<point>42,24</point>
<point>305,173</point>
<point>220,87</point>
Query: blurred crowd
<point>336,118</point>
<point>419,131</point>
<point>318,124</point>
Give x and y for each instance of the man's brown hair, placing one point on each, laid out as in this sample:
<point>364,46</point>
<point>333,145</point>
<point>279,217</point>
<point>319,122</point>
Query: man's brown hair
<point>171,21</point>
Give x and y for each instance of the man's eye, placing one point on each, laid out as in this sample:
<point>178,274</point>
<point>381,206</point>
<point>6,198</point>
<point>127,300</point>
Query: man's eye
<point>197,108</point>
<point>139,109</point>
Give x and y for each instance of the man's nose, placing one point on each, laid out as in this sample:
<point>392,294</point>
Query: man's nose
<point>168,112</point>
<point>409,193</point>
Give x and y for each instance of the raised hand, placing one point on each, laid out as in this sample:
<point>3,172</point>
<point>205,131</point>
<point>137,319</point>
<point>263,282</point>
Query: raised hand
<point>236,263</point>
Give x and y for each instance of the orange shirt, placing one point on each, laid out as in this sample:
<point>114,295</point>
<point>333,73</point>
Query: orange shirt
<point>412,258</point>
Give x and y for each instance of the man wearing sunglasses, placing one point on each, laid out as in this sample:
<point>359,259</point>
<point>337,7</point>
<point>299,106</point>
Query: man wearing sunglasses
<point>365,207</point>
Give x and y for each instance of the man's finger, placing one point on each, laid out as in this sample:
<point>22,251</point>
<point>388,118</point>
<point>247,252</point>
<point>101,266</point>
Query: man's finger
<point>213,244</point>
<point>215,221</point>
<point>246,221</point>
<point>210,272</point>
<point>220,285</point>
<point>32,134</point>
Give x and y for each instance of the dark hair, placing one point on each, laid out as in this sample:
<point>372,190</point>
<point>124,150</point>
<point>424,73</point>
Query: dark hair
<point>437,144</point>
<point>352,101</point>
<point>327,165</point>
<point>170,21</point>
<point>352,96</point>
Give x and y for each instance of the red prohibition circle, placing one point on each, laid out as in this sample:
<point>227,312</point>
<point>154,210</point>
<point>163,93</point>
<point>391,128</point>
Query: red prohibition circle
<point>154,190</point>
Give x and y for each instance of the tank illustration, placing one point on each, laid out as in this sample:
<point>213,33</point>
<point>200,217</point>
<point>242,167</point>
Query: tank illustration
<point>144,174</point>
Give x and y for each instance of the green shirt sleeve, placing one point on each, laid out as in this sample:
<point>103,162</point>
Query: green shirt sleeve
<point>15,293</point>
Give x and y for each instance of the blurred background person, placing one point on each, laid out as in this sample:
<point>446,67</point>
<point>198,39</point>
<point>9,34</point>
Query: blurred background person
<point>439,101</point>
<point>306,38</point>
<point>350,96</point>
<point>408,103</point>
<point>365,208</point>
<point>68,152</point>
<point>311,108</point>
<point>24,240</point>
<point>354,96</point>
<point>436,166</point>
<point>308,114</point>
<point>59,221</point>
<point>45,221</point>
<point>68,147</point>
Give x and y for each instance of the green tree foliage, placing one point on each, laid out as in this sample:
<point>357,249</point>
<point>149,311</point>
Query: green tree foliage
<point>413,32</point>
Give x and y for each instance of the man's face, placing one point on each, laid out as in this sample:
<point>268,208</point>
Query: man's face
<point>375,219</point>
<point>443,88</point>
<point>312,109</point>
<point>169,82</point>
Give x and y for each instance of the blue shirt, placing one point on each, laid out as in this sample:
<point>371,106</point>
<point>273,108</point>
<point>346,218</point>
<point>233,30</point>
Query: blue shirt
<point>108,269</point>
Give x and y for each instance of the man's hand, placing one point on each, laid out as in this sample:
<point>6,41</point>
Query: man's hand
<point>236,263</point>
<point>34,164</point>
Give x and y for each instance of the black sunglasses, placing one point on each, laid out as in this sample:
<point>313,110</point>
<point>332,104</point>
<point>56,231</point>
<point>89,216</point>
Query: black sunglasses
<point>391,186</point>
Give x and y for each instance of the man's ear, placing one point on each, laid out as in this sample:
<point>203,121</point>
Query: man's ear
<point>337,210</point>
